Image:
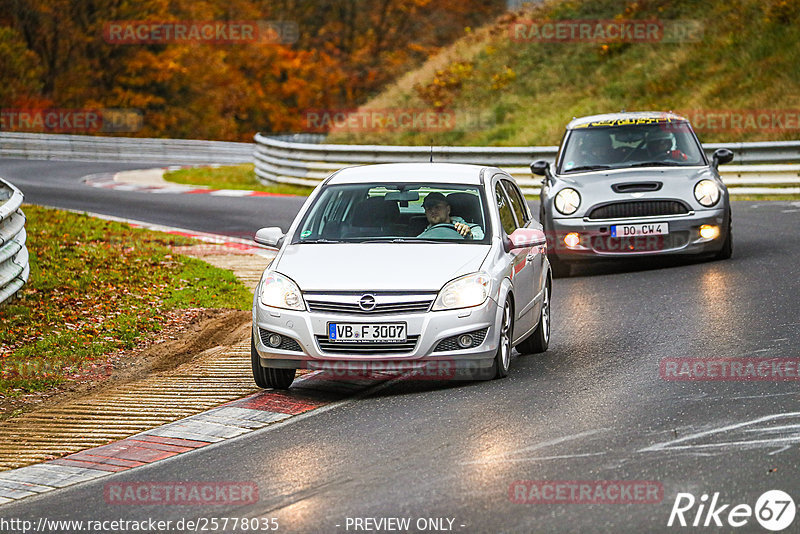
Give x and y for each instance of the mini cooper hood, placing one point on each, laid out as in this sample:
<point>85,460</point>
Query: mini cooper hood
<point>595,187</point>
<point>378,266</point>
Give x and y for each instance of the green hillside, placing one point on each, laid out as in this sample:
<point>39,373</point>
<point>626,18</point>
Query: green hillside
<point>740,58</point>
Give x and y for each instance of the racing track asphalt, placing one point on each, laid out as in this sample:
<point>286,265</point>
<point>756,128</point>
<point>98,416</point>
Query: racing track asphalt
<point>59,184</point>
<point>594,407</point>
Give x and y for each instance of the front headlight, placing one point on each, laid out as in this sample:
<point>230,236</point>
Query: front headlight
<point>280,291</point>
<point>567,201</point>
<point>706,192</point>
<point>465,292</point>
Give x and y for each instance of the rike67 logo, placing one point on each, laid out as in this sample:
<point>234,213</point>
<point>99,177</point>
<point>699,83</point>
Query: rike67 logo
<point>774,510</point>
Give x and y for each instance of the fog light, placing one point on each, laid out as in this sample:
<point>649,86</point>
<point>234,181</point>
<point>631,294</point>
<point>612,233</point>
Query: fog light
<point>465,341</point>
<point>572,239</point>
<point>274,340</point>
<point>708,231</point>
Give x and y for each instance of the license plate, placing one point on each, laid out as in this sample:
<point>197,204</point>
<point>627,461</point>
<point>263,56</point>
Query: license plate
<point>630,230</point>
<point>367,332</point>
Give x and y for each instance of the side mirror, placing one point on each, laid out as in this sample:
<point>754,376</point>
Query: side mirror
<point>721,156</point>
<point>526,238</point>
<point>271,237</point>
<point>540,167</point>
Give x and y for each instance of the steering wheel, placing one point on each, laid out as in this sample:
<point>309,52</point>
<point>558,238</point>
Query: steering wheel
<point>446,226</point>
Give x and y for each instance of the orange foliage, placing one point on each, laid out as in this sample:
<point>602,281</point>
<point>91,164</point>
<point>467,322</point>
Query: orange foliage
<point>55,53</point>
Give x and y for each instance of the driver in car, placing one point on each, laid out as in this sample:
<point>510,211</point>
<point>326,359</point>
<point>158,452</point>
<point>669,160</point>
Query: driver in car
<point>660,147</point>
<point>440,223</point>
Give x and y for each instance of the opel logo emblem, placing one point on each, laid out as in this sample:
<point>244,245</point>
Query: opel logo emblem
<point>367,303</point>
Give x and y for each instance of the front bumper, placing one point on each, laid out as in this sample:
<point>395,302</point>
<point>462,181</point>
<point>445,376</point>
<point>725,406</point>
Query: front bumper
<point>309,330</point>
<point>596,241</point>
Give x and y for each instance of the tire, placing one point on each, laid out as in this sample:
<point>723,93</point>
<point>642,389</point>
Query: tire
<point>502,358</point>
<point>539,340</point>
<point>726,251</point>
<point>269,377</point>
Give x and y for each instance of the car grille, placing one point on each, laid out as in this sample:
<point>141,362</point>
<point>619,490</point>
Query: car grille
<point>380,308</point>
<point>287,343</point>
<point>326,345</point>
<point>451,343</point>
<point>640,208</point>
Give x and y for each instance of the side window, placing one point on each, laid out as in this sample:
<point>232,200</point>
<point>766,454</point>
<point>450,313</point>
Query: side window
<point>506,214</point>
<point>517,202</point>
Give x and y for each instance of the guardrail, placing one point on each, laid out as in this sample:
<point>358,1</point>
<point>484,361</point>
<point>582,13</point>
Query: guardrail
<point>759,168</point>
<point>14,268</point>
<point>124,149</point>
<point>281,160</point>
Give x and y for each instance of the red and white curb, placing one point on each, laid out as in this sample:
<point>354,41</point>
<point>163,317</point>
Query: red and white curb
<point>113,181</point>
<point>309,392</point>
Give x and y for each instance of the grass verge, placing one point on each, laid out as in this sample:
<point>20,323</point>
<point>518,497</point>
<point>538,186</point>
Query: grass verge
<point>231,177</point>
<point>97,287</point>
<point>737,60</point>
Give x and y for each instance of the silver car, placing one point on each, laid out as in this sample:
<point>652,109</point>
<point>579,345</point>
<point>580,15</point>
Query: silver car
<point>402,266</point>
<point>633,184</point>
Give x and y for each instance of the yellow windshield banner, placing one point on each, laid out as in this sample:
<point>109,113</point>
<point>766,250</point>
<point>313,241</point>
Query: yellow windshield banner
<point>628,122</point>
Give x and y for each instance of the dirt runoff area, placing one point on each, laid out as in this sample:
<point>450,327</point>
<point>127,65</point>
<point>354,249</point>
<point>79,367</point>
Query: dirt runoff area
<point>187,335</point>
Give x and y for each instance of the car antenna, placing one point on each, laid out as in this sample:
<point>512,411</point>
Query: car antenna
<point>431,153</point>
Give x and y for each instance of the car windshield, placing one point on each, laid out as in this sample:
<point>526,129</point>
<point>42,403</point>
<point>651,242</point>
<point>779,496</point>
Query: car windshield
<point>396,213</point>
<point>660,144</point>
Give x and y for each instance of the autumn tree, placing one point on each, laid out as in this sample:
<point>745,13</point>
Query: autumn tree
<point>54,51</point>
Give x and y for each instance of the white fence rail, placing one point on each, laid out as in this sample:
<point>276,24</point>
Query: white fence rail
<point>14,268</point>
<point>124,149</point>
<point>757,168</point>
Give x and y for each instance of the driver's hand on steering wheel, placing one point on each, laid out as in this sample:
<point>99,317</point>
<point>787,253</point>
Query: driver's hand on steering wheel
<point>462,229</point>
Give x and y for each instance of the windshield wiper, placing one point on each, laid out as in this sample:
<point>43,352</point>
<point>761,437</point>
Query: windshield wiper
<point>399,240</point>
<point>654,164</point>
<point>587,168</point>
<point>320,240</point>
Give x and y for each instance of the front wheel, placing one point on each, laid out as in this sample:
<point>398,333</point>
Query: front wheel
<point>502,358</point>
<point>539,340</point>
<point>269,377</point>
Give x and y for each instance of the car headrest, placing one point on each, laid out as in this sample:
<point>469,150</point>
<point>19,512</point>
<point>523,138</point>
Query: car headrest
<point>467,206</point>
<point>375,211</point>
